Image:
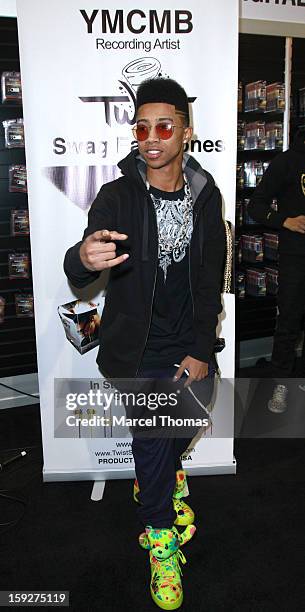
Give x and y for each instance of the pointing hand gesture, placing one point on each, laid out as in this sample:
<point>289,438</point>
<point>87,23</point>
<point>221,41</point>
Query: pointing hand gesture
<point>98,251</point>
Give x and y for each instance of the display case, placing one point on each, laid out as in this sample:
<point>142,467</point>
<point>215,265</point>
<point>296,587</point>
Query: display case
<point>17,331</point>
<point>264,126</point>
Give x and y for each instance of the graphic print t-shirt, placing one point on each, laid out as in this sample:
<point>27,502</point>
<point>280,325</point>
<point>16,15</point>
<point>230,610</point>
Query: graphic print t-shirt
<point>171,333</point>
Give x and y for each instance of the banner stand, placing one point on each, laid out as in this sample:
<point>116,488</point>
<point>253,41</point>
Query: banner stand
<point>98,475</point>
<point>98,490</point>
<point>79,106</point>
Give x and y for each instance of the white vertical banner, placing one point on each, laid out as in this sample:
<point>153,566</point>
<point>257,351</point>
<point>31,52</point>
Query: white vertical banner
<point>80,71</point>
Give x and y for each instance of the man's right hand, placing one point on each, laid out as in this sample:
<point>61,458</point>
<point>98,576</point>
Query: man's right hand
<point>295,224</point>
<point>98,252</point>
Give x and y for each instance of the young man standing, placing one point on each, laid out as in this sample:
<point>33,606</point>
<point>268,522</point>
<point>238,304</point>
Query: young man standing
<point>159,230</point>
<point>285,180</point>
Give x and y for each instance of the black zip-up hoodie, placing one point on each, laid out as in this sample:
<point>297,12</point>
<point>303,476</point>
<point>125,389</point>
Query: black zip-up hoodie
<point>284,179</point>
<point>126,206</point>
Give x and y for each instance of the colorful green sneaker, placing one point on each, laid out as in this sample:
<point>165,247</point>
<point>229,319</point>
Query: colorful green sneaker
<point>183,537</point>
<point>185,514</point>
<point>165,557</point>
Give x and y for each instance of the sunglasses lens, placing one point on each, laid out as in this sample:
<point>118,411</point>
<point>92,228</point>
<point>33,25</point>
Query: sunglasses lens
<point>142,132</point>
<point>164,130</point>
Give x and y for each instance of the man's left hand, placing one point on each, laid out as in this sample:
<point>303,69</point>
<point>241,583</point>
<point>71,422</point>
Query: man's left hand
<point>197,370</point>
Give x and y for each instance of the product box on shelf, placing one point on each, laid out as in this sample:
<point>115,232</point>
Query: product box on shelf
<point>24,305</point>
<point>274,136</point>
<point>272,280</point>
<point>240,285</point>
<point>253,172</point>
<point>255,135</point>
<point>255,282</point>
<point>256,128</point>
<point>11,87</point>
<point>275,97</point>
<point>18,265</point>
<point>240,176</point>
<point>246,217</point>
<point>250,173</point>
<point>271,246</point>
<point>252,248</point>
<point>265,167</point>
<point>20,225</point>
<point>255,96</point>
<point>252,143</point>
<point>17,179</point>
<point>241,135</point>
<point>13,133</point>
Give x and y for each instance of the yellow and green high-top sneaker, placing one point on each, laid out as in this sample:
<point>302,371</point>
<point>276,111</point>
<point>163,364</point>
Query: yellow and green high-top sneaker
<point>185,514</point>
<point>183,537</point>
<point>165,557</point>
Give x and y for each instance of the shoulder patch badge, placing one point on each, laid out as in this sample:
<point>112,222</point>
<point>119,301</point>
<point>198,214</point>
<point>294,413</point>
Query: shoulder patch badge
<point>303,183</point>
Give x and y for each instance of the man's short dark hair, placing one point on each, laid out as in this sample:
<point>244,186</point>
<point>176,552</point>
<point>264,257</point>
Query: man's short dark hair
<point>163,90</point>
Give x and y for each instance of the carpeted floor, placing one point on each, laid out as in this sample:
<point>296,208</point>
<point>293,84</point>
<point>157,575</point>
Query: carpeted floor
<point>248,553</point>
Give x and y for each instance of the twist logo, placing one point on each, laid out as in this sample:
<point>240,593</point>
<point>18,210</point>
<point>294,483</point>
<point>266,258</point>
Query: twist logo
<point>121,108</point>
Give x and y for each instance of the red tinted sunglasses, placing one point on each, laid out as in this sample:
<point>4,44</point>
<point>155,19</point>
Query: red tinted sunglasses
<point>164,130</point>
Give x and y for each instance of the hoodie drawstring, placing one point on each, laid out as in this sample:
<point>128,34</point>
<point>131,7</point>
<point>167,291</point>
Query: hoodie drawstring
<point>201,239</point>
<point>145,231</point>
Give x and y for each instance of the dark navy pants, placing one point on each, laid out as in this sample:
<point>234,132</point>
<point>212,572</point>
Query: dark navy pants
<point>156,463</point>
<point>291,305</point>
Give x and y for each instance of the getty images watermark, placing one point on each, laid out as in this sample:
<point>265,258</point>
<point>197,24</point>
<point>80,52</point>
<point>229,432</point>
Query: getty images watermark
<point>122,407</point>
<point>226,408</point>
<point>76,402</point>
